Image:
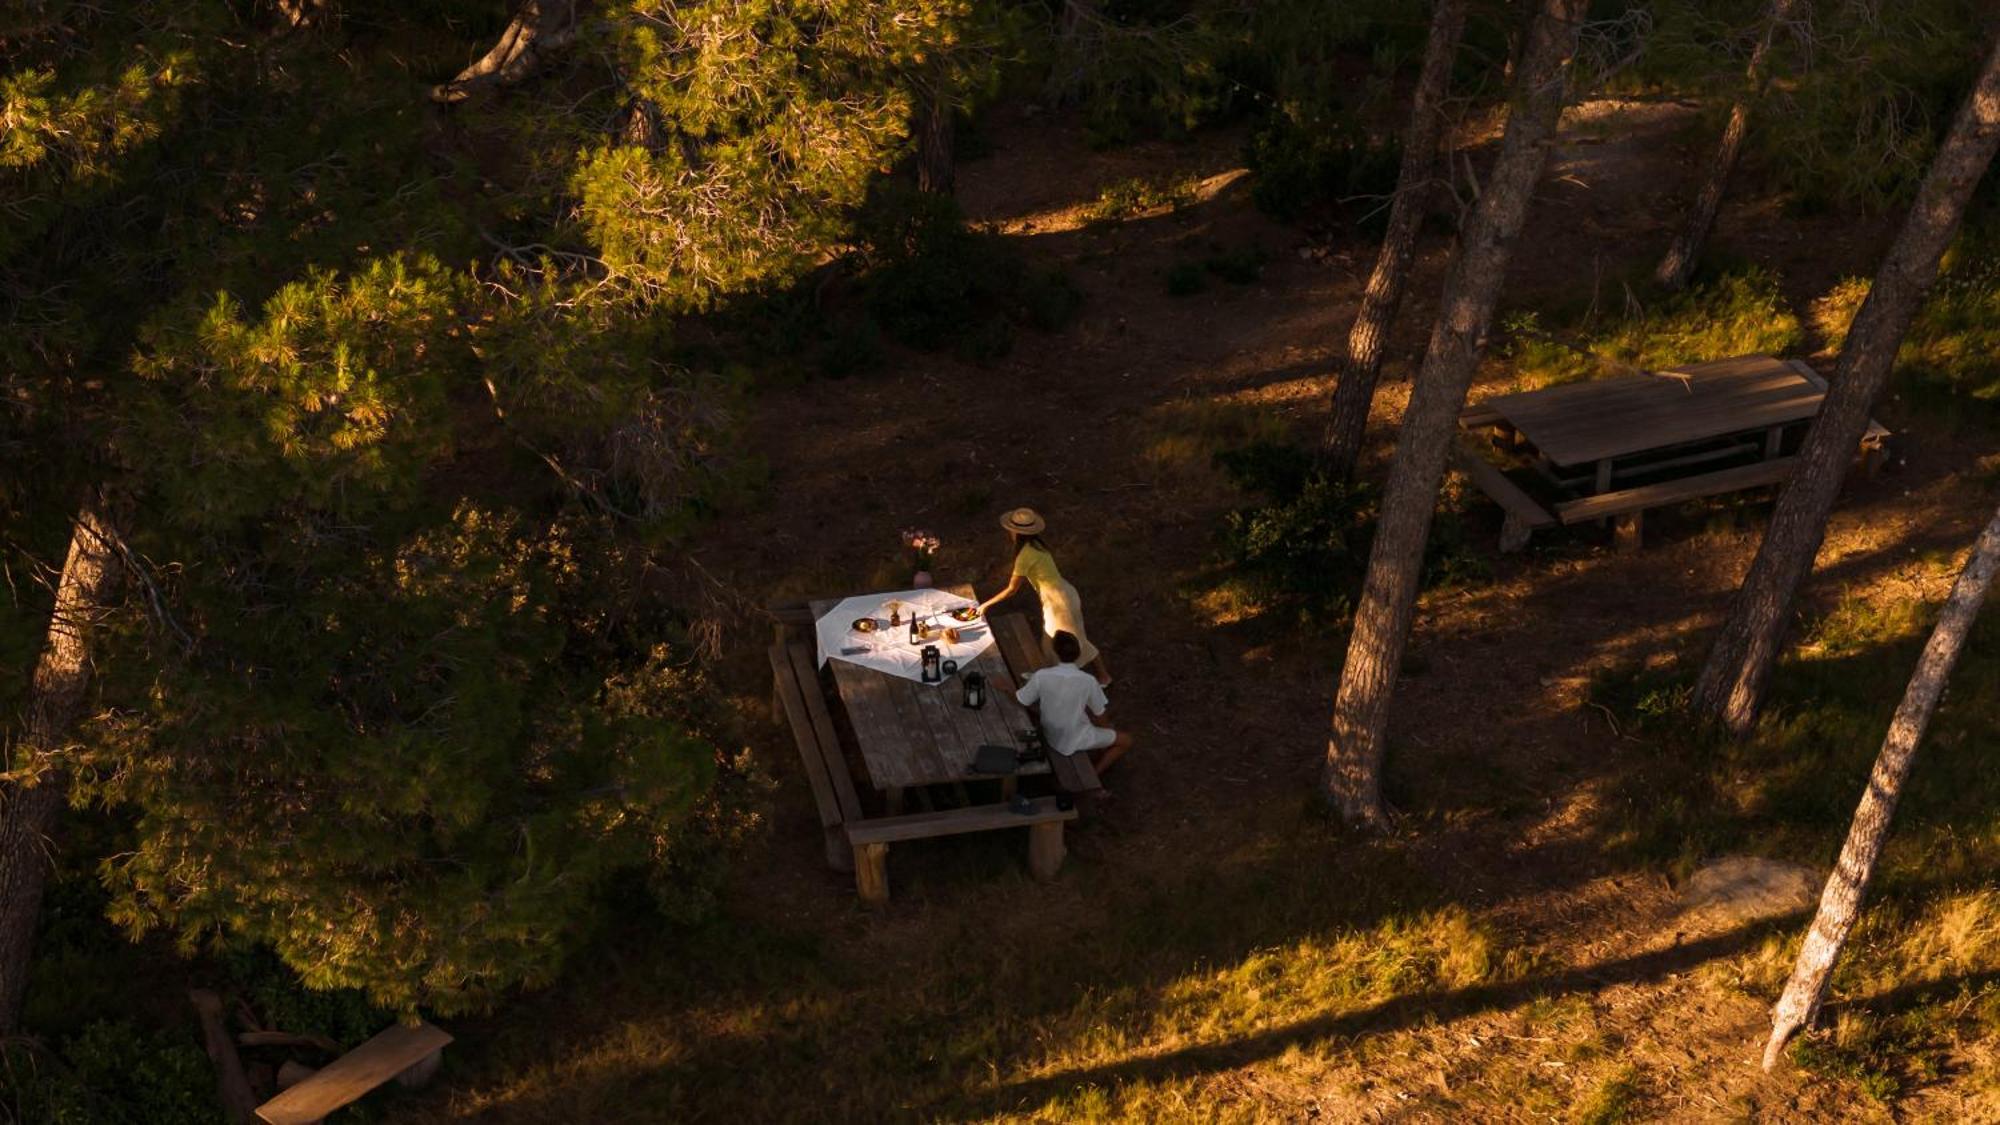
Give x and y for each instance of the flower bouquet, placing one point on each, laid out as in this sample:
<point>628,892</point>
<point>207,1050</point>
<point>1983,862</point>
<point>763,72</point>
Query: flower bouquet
<point>923,550</point>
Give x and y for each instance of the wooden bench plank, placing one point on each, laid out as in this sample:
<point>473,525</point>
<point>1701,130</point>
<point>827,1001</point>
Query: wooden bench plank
<point>1503,492</point>
<point>1023,654</point>
<point>954,822</point>
<point>1674,491</point>
<point>1480,416</point>
<point>800,721</point>
<point>345,1079</point>
<point>807,672</point>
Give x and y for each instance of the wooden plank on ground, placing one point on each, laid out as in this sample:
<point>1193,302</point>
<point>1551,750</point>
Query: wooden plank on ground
<point>952,822</point>
<point>1674,491</point>
<point>345,1079</point>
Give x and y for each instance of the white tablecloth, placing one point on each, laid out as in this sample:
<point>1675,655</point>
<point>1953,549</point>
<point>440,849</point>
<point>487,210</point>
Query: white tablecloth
<point>889,649</point>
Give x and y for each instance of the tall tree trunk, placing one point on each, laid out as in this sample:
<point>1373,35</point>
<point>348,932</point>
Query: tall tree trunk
<point>1840,903</point>
<point>1731,686</point>
<point>1353,777</point>
<point>539,28</point>
<point>28,809</point>
<point>935,133</point>
<point>1678,264</point>
<point>1355,390</point>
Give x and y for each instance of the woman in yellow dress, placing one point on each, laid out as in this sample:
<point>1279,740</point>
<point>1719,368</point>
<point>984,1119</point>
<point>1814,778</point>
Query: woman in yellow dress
<point>1034,565</point>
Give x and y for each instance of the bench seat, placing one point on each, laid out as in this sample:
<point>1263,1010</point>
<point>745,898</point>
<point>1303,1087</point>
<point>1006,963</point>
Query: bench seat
<point>1522,514</point>
<point>1022,652</point>
<point>795,683</point>
<point>871,838</point>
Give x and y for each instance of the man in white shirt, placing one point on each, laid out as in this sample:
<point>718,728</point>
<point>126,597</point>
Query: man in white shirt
<point>1072,704</point>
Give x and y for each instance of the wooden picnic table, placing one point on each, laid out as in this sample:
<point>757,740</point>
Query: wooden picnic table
<point>912,734</point>
<point>1688,432</point>
<point>1606,419</point>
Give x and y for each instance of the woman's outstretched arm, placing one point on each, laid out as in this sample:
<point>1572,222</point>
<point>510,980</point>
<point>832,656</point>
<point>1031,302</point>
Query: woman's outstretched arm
<point>1014,585</point>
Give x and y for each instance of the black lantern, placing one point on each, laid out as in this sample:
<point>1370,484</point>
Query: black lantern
<point>975,689</point>
<point>932,673</point>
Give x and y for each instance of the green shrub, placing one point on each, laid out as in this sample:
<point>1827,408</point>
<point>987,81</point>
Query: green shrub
<point>1240,266</point>
<point>937,283</point>
<point>281,1000</point>
<point>1136,196</point>
<point>1311,162</point>
<point>1304,541</point>
<point>110,1074</point>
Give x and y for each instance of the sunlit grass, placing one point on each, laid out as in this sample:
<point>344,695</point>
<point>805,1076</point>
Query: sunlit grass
<point>1736,314</point>
<point>1919,983</point>
<point>1135,196</point>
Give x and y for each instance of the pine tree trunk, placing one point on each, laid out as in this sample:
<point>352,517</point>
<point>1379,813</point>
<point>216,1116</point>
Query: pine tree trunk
<point>1353,777</point>
<point>1731,686</point>
<point>538,30</point>
<point>1685,250</point>
<point>935,173</point>
<point>1354,393</point>
<point>28,810</point>
<point>1840,903</point>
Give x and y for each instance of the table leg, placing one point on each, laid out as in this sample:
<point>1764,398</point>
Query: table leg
<point>892,799</point>
<point>1603,481</point>
<point>1007,786</point>
<point>1774,440</point>
<point>1628,530</point>
<point>871,872</point>
<point>1045,849</point>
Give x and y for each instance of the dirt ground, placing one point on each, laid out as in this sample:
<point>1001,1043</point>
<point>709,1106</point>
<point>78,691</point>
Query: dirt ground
<point>1500,766</point>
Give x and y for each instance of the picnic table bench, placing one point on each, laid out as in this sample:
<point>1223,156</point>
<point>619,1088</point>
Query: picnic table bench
<point>1738,422</point>
<point>408,1052</point>
<point>910,737</point>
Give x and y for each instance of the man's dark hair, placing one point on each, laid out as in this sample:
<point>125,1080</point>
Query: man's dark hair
<point>1068,648</point>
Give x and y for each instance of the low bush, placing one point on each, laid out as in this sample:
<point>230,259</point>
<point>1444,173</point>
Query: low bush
<point>1241,266</point>
<point>936,283</point>
<point>110,1073</point>
<point>1136,196</point>
<point>1305,164</point>
<point>1302,544</point>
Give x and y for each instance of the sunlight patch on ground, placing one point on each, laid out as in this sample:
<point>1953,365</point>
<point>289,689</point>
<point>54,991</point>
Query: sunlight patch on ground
<point>1080,214</point>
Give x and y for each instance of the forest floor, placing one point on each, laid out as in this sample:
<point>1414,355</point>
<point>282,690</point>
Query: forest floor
<point>1215,948</point>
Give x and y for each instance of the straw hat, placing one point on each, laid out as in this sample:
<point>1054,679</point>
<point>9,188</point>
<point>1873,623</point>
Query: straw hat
<point>1024,521</point>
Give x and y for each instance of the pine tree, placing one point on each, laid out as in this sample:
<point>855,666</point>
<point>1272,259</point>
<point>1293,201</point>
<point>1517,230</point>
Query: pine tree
<point>1353,775</point>
<point>1847,886</point>
<point>1354,393</point>
<point>382,387</point>
<point>1730,688</point>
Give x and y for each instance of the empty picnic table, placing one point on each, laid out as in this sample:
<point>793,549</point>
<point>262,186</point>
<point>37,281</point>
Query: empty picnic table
<point>1748,413</point>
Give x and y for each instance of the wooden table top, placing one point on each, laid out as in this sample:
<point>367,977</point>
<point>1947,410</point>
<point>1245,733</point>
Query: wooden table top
<point>1580,423</point>
<point>912,733</point>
